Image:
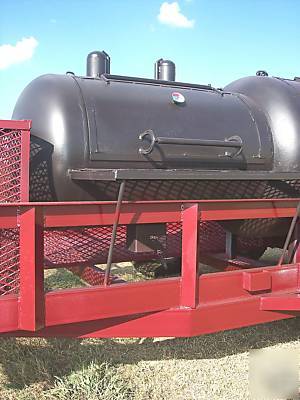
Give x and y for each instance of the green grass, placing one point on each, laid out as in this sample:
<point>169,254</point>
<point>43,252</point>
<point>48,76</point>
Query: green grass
<point>97,381</point>
<point>207,367</point>
<point>61,279</point>
<point>58,369</point>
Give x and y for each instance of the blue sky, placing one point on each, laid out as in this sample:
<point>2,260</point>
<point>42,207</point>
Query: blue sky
<point>211,41</point>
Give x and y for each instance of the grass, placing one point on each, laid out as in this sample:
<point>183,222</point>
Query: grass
<point>58,369</point>
<point>61,279</point>
<point>96,381</point>
<point>207,367</point>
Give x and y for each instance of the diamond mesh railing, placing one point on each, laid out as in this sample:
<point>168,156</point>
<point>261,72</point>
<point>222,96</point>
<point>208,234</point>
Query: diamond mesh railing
<point>14,187</point>
<point>70,247</point>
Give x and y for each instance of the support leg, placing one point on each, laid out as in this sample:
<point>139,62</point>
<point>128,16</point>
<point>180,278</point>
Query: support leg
<point>231,245</point>
<point>289,234</point>
<point>31,296</point>
<point>189,273</point>
<point>114,233</point>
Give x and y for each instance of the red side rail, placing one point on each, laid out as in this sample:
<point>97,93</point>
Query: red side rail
<point>24,125</point>
<point>188,305</point>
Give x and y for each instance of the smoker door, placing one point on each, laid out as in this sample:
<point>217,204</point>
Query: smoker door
<point>118,112</point>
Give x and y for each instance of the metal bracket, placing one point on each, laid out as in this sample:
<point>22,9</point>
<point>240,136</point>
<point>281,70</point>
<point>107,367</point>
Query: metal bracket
<point>114,233</point>
<point>148,133</point>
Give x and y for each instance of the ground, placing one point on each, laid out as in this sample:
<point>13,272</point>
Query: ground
<point>210,367</point>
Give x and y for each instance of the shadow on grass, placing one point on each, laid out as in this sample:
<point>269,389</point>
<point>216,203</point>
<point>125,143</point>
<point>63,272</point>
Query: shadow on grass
<point>28,361</point>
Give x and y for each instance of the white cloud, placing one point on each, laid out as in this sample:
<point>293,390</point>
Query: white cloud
<point>14,54</point>
<point>169,14</point>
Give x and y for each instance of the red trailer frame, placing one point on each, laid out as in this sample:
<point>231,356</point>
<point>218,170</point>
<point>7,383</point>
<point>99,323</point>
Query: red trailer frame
<point>188,305</point>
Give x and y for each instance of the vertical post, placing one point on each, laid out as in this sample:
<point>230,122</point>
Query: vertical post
<point>295,252</point>
<point>24,175</point>
<point>31,296</point>
<point>189,270</point>
<point>114,233</point>
<point>231,245</point>
<point>289,234</point>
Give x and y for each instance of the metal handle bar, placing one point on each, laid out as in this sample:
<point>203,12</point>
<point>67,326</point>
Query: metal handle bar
<point>232,142</point>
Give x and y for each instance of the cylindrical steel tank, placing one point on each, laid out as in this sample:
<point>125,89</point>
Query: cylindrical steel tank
<point>82,122</point>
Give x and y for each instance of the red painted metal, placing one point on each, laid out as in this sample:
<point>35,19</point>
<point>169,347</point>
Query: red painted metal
<point>63,214</point>
<point>153,308</point>
<point>258,281</point>
<point>188,305</point>
<point>14,187</point>
<point>132,308</point>
<point>31,296</point>
<point>14,171</point>
<point>221,262</point>
<point>189,271</point>
<point>25,154</point>
<point>283,302</point>
<point>23,125</point>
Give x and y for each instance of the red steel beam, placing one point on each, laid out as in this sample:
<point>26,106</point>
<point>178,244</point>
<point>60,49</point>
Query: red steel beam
<point>154,308</point>
<point>102,213</point>
<point>189,271</point>
<point>84,304</point>
<point>283,302</point>
<point>8,217</point>
<point>117,300</point>
<point>25,155</point>
<point>172,322</point>
<point>151,212</point>
<point>31,299</point>
<point>18,125</point>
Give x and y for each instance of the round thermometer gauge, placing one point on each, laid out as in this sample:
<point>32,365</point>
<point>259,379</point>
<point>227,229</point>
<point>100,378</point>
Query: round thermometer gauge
<point>178,98</point>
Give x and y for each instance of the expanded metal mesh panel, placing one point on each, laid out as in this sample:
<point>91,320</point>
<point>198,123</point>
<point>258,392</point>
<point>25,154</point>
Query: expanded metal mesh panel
<point>197,190</point>
<point>10,165</point>
<point>215,189</point>
<point>89,245</point>
<point>10,191</point>
<point>9,261</point>
<point>182,190</point>
<point>41,181</point>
